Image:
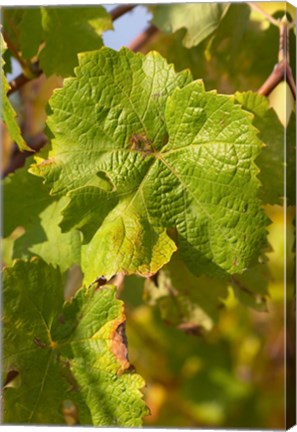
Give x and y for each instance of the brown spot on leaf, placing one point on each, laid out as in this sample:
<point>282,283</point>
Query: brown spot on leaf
<point>141,144</point>
<point>120,346</point>
<point>39,343</point>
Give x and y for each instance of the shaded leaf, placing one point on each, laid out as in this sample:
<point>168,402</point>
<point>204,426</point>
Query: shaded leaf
<point>27,204</point>
<point>199,19</point>
<point>66,352</point>
<point>190,303</point>
<point>271,159</point>
<point>65,31</point>
<point>251,288</point>
<point>193,304</point>
<point>7,113</point>
<point>190,183</point>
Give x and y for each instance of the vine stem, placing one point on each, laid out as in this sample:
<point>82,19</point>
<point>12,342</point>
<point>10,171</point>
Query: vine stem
<point>22,79</point>
<point>121,10</point>
<point>143,38</point>
<point>282,70</point>
<point>17,157</point>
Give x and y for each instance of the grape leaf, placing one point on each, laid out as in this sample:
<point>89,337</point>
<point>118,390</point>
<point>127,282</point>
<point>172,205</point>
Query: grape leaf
<point>27,203</point>
<point>191,303</point>
<point>199,19</point>
<point>45,239</point>
<point>7,113</point>
<point>176,156</point>
<point>65,31</point>
<point>251,287</point>
<point>74,351</point>
<point>11,18</point>
<point>272,133</point>
<point>226,42</point>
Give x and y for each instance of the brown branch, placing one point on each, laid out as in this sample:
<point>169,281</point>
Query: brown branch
<point>17,158</point>
<point>22,79</point>
<point>121,10</point>
<point>13,49</point>
<point>282,70</point>
<point>17,83</point>
<point>143,38</point>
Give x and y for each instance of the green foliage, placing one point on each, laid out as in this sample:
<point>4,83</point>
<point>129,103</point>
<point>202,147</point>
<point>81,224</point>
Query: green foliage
<point>228,60</point>
<point>251,288</point>
<point>28,199</point>
<point>193,304</point>
<point>199,19</point>
<point>178,162</point>
<point>7,113</point>
<point>185,300</point>
<point>155,189</point>
<point>272,157</point>
<point>74,351</point>
<point>64,31</point>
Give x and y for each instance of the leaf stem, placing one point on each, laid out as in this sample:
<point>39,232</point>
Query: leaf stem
<point>22,79</point>
<point>121,10</point>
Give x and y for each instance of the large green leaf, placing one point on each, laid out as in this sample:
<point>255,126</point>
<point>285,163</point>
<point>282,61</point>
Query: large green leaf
<point>173,157</point>
<point>199,19</point>
<point>65,31</point>
<point>272,158</point>
<point>7,113</point>
<point>27,204</point>
<point>72,352</point>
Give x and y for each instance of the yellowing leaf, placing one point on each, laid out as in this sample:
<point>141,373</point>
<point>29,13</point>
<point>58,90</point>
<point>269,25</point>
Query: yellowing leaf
<point>174,157</point>
<point>73,352</point>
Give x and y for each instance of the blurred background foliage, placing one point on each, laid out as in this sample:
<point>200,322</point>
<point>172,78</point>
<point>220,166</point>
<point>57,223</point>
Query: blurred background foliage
<point>232,375</point>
